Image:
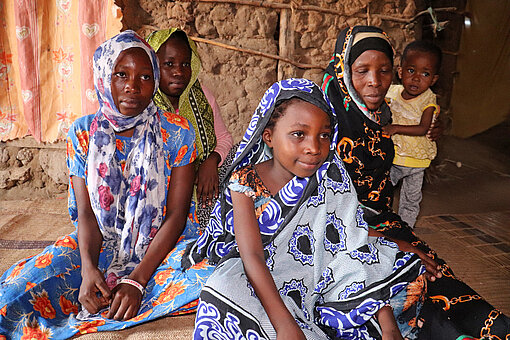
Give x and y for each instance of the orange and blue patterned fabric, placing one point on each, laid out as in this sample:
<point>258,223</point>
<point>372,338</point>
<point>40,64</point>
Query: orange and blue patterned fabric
<point>39,295</point>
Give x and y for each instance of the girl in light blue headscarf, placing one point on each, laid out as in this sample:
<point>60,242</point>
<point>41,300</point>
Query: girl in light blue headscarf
<point>131,178</point>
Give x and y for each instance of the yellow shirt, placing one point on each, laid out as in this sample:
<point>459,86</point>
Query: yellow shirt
<point>411,151</point>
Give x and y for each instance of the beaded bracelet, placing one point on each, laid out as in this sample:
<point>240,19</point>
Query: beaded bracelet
<point>132,283</point>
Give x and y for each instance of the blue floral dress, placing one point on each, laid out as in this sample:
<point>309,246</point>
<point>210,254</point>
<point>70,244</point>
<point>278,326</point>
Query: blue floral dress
<point>39,295</point>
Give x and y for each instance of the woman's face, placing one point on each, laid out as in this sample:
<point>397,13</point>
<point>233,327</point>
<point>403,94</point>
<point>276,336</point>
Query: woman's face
<point>372,72</point>
<point>132,82</point>
<point>175,62</point>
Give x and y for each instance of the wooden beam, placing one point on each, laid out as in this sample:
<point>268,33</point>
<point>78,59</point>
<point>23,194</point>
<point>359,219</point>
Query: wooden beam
<point>262,54</point>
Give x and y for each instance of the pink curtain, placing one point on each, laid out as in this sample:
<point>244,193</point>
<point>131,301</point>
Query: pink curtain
<point>46,49</point>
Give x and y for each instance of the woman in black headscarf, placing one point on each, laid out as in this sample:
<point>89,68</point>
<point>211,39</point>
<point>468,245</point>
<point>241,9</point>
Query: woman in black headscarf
<point>356,81</point>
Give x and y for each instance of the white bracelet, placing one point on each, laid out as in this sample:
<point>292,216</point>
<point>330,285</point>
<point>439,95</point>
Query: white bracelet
<point>132,283</point>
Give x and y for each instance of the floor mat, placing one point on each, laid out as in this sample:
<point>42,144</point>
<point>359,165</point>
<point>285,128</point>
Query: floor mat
<point>477,247</point>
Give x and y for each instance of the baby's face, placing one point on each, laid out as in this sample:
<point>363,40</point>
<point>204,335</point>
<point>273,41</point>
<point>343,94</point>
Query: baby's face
<point>418,73</point>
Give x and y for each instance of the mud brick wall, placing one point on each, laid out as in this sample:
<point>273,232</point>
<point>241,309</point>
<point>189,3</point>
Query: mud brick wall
<point>239,79</point>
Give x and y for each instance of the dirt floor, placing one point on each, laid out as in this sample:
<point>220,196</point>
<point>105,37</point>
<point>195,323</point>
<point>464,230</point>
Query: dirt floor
<point>470,175</point>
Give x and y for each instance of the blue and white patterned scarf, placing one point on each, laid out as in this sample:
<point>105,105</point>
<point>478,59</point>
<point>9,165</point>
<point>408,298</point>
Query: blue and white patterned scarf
<point>315,241</point>
<point>218,238</point>
<point>127,203</point>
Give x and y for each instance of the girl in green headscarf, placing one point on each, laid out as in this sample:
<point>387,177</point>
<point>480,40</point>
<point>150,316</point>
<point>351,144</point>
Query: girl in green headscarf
<point>180,92</point>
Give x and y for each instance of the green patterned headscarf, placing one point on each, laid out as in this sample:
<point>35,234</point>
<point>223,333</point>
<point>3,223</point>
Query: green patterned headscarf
<point>193,104</point>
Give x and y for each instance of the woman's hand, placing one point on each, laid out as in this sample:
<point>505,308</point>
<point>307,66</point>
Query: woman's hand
<point>126,302</point>
<point>290,330</point>
<point>93,283</point>
<point>207,180</point>
<point>432,267</point>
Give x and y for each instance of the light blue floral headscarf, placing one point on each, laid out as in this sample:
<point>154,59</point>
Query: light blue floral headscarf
<point>128,203</point>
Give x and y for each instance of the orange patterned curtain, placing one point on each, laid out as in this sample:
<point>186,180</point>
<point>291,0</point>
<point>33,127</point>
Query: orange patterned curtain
<point>46,49</point>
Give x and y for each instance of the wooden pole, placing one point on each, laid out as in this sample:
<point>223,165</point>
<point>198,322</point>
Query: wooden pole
<point>262,54</point>
<point>285,40</point>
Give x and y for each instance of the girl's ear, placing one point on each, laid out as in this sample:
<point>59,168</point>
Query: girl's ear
<point>399,72</point>
<point>267,135</point>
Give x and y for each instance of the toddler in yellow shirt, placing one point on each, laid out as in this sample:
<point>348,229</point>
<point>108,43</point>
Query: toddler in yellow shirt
<point>413,106</point>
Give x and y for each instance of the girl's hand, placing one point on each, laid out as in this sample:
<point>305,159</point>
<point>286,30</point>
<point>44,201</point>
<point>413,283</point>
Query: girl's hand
<point>290,331</point>
<point>93,283</point>
<point>251,251</point>
<point>126,302</point>
<point>432,267</point>
<point>207,180</point>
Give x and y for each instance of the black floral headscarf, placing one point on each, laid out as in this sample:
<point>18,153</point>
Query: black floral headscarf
<point>367,154</point>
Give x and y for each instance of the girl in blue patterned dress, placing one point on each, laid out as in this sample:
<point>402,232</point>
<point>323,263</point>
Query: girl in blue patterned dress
<point>295,257</point>
<point>131,178</point>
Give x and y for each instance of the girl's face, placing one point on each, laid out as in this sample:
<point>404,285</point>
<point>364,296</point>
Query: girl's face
<point>300,140</point>
<point>371,77</point>
<point>175,62</point>
<point>418,73</point>
<point>132,82</point>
